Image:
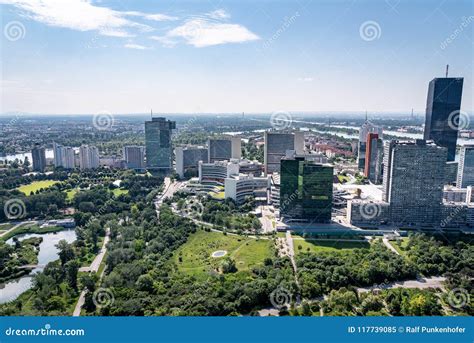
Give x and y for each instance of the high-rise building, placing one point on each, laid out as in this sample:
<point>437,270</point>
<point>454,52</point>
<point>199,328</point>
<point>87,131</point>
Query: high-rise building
<point>187,159</point>
<point>466,167</point>
<point>442,108</point>
<point>365,129</point>
<point>276,146</point>
<point>305,190</point>
<point>38,154</point>
<point>88,157</point>
<point>63,156</point>
<point>414,174</point>
<point>222,149</point>
<point>134,156</point>
<point>159,151</point>
<point>373,158</point>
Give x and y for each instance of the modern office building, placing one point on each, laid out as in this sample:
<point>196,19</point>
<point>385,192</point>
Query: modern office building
<point>414,175</point>
<point>373,158</point>
<point>465,175</point>
<point>63,156</point>
<point>159,151</point>
<point>38,154</point>
<point>277,144</point>
<point>187,159</point>
<point>305,190</point>
<point>239,187</point>
<point>364,131</point>
<point>224,149</point>
<point>215,173</point>
<point>88,157</point>
<point>442,107</point>
<point>134,157</point>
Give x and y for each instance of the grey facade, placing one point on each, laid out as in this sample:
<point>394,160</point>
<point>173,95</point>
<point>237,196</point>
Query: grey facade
<point>414,175</point>
<point>134,156</point>
<point>187,159</point>
<point>223,149</point>
<point>38,154</point>
<point>276,146</point>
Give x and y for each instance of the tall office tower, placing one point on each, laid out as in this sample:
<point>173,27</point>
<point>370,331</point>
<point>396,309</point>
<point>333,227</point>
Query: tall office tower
<point>134,156</point>
<point>305,190</point>
<point>442,109</point>
<point>413,181</point>
<point>58,155</point>
<point>223,149</point>
<point>63,156</point>
<point>365,129</point>
<point>187,159</point>
<point>373,158</point>
<point>466,167</point>
<point>276,146</point>
<point>88,157</point>
<point>38,154</point>
<point>159,151</point>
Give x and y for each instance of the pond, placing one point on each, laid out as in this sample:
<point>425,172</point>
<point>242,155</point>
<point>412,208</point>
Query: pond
<point>10,290</point>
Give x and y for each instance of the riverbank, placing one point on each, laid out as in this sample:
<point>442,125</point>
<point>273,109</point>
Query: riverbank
<point>30,229</point>
<point>22,259</point>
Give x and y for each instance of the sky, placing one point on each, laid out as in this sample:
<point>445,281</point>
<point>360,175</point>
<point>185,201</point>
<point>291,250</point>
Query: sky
<point>124,56</point>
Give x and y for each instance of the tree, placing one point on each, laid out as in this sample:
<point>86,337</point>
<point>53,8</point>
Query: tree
<point>66,253</point>
<point>71,268</point>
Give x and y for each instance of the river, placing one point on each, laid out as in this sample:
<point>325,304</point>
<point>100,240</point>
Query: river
<point>10,290</point>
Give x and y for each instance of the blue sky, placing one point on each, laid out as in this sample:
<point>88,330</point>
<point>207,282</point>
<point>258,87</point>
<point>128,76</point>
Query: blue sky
<point>79,56</point>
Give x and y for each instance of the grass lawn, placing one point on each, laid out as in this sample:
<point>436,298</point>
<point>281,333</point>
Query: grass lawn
<point>196,253</point>
<point>36,185</point>
<point>400,245</point>
<point>71,193</point>
<point>119,191</point>
<point>330,245</point>
<point>218,196</point>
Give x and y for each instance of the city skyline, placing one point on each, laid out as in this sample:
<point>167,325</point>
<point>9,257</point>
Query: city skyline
<point>291,57</point>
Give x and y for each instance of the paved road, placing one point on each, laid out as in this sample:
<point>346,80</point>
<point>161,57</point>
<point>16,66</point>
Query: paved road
<point>94,267</point>
<point>390,246</point>
<point>422,283</point>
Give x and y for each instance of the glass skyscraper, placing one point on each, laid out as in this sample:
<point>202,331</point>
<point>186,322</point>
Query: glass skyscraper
<point>305,190</point>
<point>442,109</point>
<point>159,151</point>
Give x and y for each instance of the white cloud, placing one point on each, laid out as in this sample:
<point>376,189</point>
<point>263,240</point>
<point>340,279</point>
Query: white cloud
<point>218,14</point>
<point>202,32</point>
<point>305,79</point>
<point>136,46</point>
<point>82,15</point>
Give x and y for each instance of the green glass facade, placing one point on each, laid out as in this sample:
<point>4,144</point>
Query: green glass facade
<point>159,152</point>
<point>306,190</point>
